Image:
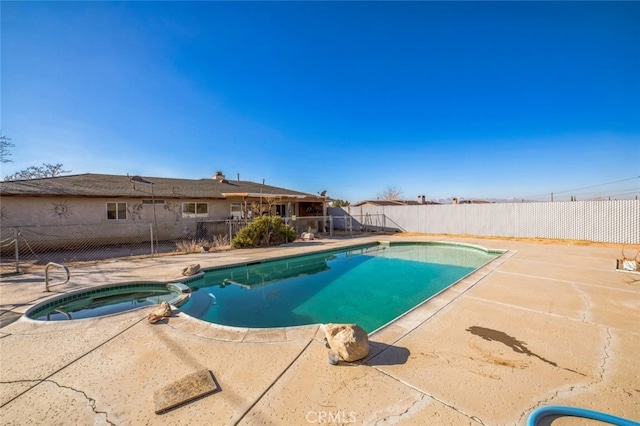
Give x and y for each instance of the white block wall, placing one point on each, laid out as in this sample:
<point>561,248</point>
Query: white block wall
<point>599,221</point>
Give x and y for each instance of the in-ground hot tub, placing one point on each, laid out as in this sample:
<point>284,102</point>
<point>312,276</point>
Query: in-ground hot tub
<point>107,300</point>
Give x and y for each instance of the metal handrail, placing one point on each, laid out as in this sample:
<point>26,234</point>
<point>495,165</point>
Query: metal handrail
<point>46,274</point>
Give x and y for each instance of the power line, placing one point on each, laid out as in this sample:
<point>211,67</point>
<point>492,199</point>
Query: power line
<point>621,194</point>
<point>579,189</point>
<point>611,193</point>
<point>605,192</point>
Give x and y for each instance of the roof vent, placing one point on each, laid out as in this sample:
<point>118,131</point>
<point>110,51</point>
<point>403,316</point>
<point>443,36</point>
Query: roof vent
<point>219,177</point>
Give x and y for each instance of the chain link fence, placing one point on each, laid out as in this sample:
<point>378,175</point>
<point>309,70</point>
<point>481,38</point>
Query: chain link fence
<point>28,248</point>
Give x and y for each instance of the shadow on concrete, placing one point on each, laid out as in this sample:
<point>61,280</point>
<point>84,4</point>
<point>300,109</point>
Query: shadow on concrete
<point>388,355</point>
<point>516,345</point>
<point>502,337</point>
<point>22,279</point>
<point>8,316</point>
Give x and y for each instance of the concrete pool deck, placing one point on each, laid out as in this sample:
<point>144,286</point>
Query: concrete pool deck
<point>544,324</point>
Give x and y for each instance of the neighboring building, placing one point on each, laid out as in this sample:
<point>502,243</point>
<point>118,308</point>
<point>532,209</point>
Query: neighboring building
<point>420,201</point>
<point>456,201</point>
<point>102,201</point>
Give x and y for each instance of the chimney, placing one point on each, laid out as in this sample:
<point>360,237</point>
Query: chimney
<point>219,177</point>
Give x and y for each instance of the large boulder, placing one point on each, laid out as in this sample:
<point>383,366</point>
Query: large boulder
<point>162,311</point>
<point>191,269</point>
<point>349,340</point>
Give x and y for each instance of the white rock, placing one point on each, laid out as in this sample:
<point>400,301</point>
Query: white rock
<point>349,340</point>
<point>162,311</point>
<point>191,269</point>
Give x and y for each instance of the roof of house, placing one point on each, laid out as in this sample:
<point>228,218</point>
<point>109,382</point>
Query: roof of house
<point>99,185</point>
<point>392,203</point>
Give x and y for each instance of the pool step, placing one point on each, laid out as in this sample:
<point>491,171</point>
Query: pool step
<point>184,293</point>
<point>179,287</point>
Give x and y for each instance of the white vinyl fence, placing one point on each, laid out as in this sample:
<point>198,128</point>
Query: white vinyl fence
<point>599,221</point>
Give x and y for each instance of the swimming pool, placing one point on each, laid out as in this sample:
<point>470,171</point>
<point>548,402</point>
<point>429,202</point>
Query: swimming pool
<point>368,285</point>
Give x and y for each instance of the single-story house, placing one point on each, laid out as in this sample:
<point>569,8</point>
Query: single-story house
<point>456,201</point>
<point>377,203</point>
<point>100,201</point>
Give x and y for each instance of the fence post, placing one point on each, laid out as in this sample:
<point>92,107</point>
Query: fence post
<point>331,226</point>
<point>16,243</point>
<point>349,226</point>
<point>151,231</point>
<point>230,231</point>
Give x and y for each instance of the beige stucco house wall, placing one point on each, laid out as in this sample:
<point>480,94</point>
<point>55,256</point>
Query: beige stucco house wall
<point>116,209</point>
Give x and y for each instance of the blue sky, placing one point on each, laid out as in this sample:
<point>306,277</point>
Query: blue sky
<point>464,99</point>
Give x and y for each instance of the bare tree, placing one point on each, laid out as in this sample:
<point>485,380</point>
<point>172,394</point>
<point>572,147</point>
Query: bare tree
<point>5,144</point>
<point>33,172</point>
<point>391,193</point>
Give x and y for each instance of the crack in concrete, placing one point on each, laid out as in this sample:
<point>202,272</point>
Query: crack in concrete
<point>599,378</point>
<point>606,357</point>
<point>393,418</point>
<point>75,360</point>
<point>91,401</point>
<point>469,416</point>
<point>587,301</point>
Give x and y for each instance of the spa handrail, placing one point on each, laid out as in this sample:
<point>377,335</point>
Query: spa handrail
<point>46,274</point>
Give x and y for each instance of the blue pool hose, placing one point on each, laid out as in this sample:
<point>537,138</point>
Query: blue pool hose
<point>543,416</point>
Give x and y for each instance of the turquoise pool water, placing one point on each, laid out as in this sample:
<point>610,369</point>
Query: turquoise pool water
<point>369,286</point>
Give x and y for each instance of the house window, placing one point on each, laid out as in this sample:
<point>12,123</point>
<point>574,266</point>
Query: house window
<point>236,210</point>
<point>195,210</point>
<point>153,202</point>
<point>116,211</point>
<point>281,210</point>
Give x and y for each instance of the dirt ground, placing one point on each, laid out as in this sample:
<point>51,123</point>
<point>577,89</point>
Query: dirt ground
<point>627,247</point>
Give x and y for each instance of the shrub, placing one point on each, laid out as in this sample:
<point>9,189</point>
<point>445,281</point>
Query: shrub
<point>264,231</point>
<point>198,246</point>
